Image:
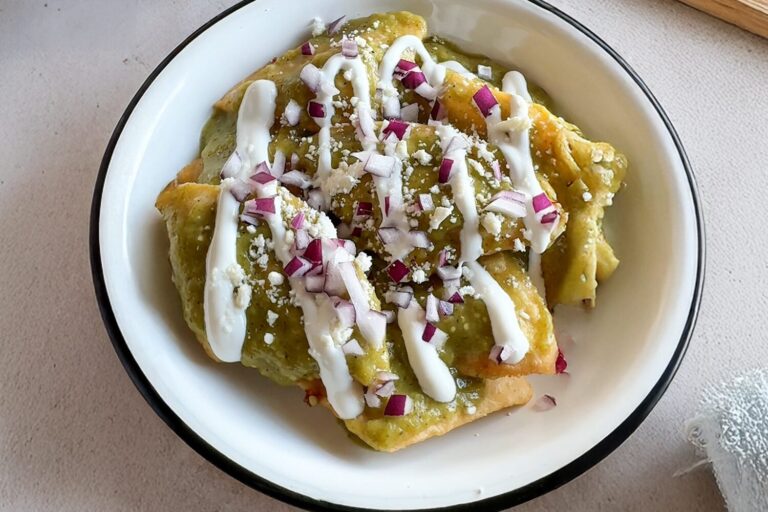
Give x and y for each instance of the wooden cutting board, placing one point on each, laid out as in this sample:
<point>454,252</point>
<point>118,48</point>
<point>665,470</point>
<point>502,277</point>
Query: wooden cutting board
<point>750,15</point>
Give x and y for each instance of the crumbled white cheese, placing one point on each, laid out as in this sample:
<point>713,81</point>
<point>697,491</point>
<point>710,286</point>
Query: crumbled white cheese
<point>492,223</point>
<point>318,27</point>
<point>471,409</point>
<point>250,229</point>
<point>439,215</point>
<point>419,276</point>
<point>269,338</point>
<point>243,296</point>
<point>272,317</point>
<point>474,164</point>
<point>586,196</point>
<point>361,41</point>
<point>375,24</point>
<point>467,290</point>
<point>435,189</point>
<point>518,245</point>
<point>363,261</point>
<point>275,278</point>
<point>236,274</point>
<point>422,157</point>
<point>342,179</point>
<point>401,150</point>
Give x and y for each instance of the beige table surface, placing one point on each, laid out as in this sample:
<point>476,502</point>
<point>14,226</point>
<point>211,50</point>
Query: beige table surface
<point>75,435</point>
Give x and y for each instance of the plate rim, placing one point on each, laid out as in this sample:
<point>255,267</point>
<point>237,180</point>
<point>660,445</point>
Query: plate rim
<point>511,498</point>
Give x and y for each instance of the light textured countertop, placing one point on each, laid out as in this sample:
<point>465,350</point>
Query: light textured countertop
<point>76,435</point>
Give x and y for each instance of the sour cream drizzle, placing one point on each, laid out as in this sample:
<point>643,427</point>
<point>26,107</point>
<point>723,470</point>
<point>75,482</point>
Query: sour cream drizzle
<point>254,121</point>
<point>433,375</point>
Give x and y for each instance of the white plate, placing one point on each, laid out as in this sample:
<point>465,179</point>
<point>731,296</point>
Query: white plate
<point>626,351</point>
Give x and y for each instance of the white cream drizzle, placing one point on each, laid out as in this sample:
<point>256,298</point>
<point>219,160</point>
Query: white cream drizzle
<point>501,311</point>
<point>432,373</point>
<point>254,121</point>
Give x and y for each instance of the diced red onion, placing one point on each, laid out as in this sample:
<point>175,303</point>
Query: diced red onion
<point>410,113</point>
<point>560,364</point>
<point>239,189</point>
<point>262,167</point>
<point>364,209</point>
<point>442,259</point>
<point>398,405</point>
<point>372,324</point>
<point>400,298</point>
<point>307,48</point>
<point>500,354</point>
<point>447,272</point>
<point>314,284</point>
<point>334,284</point>
<point>232,166</point>
<point>380,165</point>
<point>260,206</point>
<point>298,221</point>
<point>484,100</point>
<point>314,251</point>
<point>249,219</point>
<point>301,239</point>
<point>345,311</point>
<point>389,315</point>
<point>316,110</point>
<point>349,48</point>
<point>311,77</point>
<point>431,309</point>
<point>357,231</point>
<point>390,235</point>
<point>347,245</point>
<point>426,203</point>
<point>386,389</point>
<point>397,271</point>
<point>385,376</point>
<point>397,127</point>
<point>297,267</point>
<point>457,143</point>
<point>262,178</point>
<point>413,79</point>
<point>484,72</point>
<point>444,173</point>
<point>549,218</point>
<point>506,207</point>
<point>315,199</point>
<point>511,195</point>
<point>365,123</point>
<point>278,163</point>
<point>386,206</point>
<point>456,298</point>
<point>545,403</point>
<point>419,239</point>
<point>496,169</point>
<point>371,400</point>
<point>292,113</point>
<point>352,348</point>
<point>403,67</point>
<point>541,202</point>
<point>296,179</point>
<point>294,160</point>
<point>438,112</point>
<point>426,91</point>
<point>434,336</point>
<point>335,25</point>
<point>445,308</point>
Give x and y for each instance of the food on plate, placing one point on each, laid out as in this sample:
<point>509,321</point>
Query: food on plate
<point>387,223</point>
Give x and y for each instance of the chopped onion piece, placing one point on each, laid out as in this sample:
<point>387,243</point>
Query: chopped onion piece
<point>426,203</point>
<point>438,112</point>
<point>232,166</point>
<point>316,110</point>
<point>249,219</point>
<point>484,72</point>
<point>292,113</point>
<point>484,100</point>
<point>315,199</point>
<point>389,315</point>
<point>444,173</point>
<point>296,179</point>
<point>260,206</point>
<point>307,48</point>
<point>448,272</point>
<point>262,178</point>
<point>380,165</point>
<point>398,405</point>
<point>298,221</point>
<point>549,218</point>
<point>496,169</point>
<point>311,77</point>
<point>500,353</point>
<point>560,364</point>
<point>403,67</point>
<point>397,127</point>
<point>314,251</point>
<point>345,311</point>
<point>364,209</point>
<point>390,235</point>
<point>410,113</point>
<point>445,308</point>
<point>386,389</point>
<point>401,298</point>
<point>352,348</point>
<point>457,143</point>
<point>541,202</point>
<point>431,309</point>
<point>506,207</point>
<point>335,25</point>
<point>442,259</point>
<point>314,284</point>
<point>334,284</point>
<point>397,271</point>
<point>371,400</point>
<point>239,189</point>
<point>545,403</point>
<point>419,239</point>
<point>456,298</point>
<point>386,206</point>
<point>434,336</point>
<point>349,48</point>
<point>426,91</point>
<point>413,79</point>
<point>391,105</point>
<point>297,267</point>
